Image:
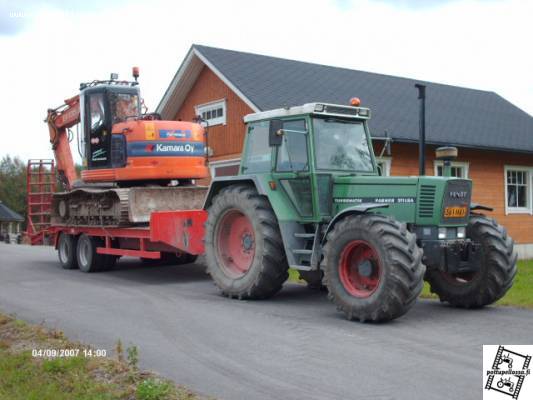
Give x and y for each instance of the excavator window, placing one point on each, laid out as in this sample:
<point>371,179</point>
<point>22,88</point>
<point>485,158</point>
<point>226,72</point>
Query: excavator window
<point>124,106</point>
<point>98,134</point>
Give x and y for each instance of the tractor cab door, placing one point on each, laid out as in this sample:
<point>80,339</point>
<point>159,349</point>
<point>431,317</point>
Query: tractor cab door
<point>291,167</point>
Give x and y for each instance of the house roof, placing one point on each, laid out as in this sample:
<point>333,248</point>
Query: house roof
<point>454,115</point>
<point>8,215</point>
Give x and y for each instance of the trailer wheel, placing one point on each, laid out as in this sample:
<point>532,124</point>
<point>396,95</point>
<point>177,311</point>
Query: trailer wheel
<point>497,263</point>
<point>244,250</point>
<point>373,268</point>
<point>178,258</point>
<point>66,251</point>
<point>88,259</point>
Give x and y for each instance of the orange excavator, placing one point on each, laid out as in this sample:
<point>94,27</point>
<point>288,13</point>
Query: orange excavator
<point>134,163</point>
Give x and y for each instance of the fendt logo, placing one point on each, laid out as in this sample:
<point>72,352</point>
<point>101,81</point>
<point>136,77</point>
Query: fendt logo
<point>459,195</point>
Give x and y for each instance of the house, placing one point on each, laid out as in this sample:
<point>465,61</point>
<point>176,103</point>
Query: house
<point>494,137</point>
<point>9,221</point>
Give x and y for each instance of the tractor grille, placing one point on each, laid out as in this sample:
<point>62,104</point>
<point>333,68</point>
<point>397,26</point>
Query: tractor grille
<point>426,201</point>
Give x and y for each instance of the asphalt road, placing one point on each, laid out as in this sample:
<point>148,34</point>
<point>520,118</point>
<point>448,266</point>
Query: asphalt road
<point>293,346</point>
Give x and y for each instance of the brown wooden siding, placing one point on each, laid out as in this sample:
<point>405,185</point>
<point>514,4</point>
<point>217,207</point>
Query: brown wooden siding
<point>225,140</point>
<point>486,168</point>
<point>487,171</point>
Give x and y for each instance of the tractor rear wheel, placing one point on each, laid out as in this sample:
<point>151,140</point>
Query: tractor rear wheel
<point>66,251</point>
<point>244,250</point>
<point>496,260</point>
<point>373,268</point>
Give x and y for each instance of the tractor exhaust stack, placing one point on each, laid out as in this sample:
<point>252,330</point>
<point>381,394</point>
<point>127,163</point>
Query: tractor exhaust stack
<point>422,129</point>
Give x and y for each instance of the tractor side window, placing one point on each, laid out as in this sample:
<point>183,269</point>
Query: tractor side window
<point>258,151</point>
<point>292,154</point>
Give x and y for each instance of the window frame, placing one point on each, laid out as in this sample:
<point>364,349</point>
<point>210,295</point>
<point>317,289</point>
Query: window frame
<point>213,165</point>
<point>277,149</point>
<point>200,108</point>
<point>529,190</point>
<point>462,164</point>
<point>387,163</point>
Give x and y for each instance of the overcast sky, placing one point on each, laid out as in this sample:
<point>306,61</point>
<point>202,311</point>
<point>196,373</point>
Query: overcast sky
<point>48,48</point>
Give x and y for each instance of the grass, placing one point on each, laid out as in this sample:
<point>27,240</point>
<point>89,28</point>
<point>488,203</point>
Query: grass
<point>25,377</point>
<point>520,295</point>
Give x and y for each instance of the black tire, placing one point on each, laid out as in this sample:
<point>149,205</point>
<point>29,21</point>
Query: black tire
<point>389,274</point>
<point>313,279</point>
<point>267,267</point>
<point>497,262</point>
<point>170,259</point>
<point>88,259</point>
<point>178,258</point>
<point>66,251</point>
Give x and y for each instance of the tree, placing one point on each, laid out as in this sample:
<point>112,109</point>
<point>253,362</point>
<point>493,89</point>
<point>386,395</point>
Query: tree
<point>13,184</point>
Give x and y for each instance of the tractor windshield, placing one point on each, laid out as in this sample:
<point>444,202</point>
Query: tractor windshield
<point>341,145</point>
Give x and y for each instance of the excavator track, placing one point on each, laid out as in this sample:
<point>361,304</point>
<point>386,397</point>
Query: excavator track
<point>121,207</point>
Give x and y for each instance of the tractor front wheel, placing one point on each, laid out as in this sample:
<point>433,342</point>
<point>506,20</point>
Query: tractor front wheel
<point>496,260</point>
<point>373,268</point>
<point>243,246</point>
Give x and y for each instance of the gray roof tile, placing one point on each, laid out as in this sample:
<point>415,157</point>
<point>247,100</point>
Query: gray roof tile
<point>7,214</point>
<point>455,115</point>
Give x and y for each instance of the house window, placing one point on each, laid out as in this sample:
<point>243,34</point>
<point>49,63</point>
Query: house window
<point>459,169</point>
<point>224,167</point>
<point>214,113</point>
<point>384,164</point>
<point>518,189</point>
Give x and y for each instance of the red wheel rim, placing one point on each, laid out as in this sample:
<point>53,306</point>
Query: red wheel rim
<point>359,269</point>
<point>235,243</point>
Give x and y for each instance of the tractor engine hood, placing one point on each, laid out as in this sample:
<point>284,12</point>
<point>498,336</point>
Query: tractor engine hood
<point>425,200</point>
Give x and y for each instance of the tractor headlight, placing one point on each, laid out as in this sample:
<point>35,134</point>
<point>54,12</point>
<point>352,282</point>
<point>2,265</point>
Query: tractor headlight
<point>461,232</point>
<point>442,233</point>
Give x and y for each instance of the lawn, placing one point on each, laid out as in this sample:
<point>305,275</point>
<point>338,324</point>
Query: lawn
<point>520,295</point>
<point>25,375</point>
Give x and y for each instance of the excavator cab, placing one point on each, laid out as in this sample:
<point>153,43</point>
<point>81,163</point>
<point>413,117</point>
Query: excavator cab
<point>102,107</point>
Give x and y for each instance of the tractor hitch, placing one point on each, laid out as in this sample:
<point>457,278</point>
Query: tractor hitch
<point>452,256</point>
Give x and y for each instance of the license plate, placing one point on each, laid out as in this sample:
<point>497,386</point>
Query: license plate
<point>455,212</point>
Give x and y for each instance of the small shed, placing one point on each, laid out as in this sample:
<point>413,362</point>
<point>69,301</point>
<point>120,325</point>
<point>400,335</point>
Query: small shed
<point>10,221</point>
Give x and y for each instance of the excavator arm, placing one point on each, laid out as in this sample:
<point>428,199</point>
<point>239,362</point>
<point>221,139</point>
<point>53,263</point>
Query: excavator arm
<point>59,120</point>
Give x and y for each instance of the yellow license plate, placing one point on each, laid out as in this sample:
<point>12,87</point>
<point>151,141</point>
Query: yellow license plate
<point>455,212</point>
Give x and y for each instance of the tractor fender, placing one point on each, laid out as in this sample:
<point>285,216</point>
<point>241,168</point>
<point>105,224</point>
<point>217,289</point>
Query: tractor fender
<point>358,209</point>
<point>221,182</point>
<point>476,206</point>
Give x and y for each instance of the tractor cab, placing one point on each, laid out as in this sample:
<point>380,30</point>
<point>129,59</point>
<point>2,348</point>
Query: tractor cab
<point>306,149</point>
<point>102,105</point>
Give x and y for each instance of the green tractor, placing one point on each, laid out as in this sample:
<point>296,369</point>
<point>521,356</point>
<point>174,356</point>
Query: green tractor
<point>309,196</point>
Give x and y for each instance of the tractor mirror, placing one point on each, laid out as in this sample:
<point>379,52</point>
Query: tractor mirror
<point>275,135</point>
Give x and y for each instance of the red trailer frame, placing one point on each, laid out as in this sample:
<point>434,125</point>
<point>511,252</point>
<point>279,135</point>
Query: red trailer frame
<point>168,231</point>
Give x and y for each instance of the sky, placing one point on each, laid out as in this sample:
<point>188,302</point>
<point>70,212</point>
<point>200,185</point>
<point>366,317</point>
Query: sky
<point>48,48</point>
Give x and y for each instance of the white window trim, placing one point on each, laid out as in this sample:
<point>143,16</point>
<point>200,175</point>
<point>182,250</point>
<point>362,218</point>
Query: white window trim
<point>200,108</point>
<point>529,178</point>
<point>222,163</point>
<point>387,161</point>
<point>463,164</point>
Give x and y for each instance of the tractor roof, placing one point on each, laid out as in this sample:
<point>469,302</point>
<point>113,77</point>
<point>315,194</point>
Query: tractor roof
<point>325,109</point>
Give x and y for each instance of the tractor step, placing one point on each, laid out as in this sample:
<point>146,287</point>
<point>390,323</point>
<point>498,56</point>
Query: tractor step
<point>302,251</point>
<point>304,235</point>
